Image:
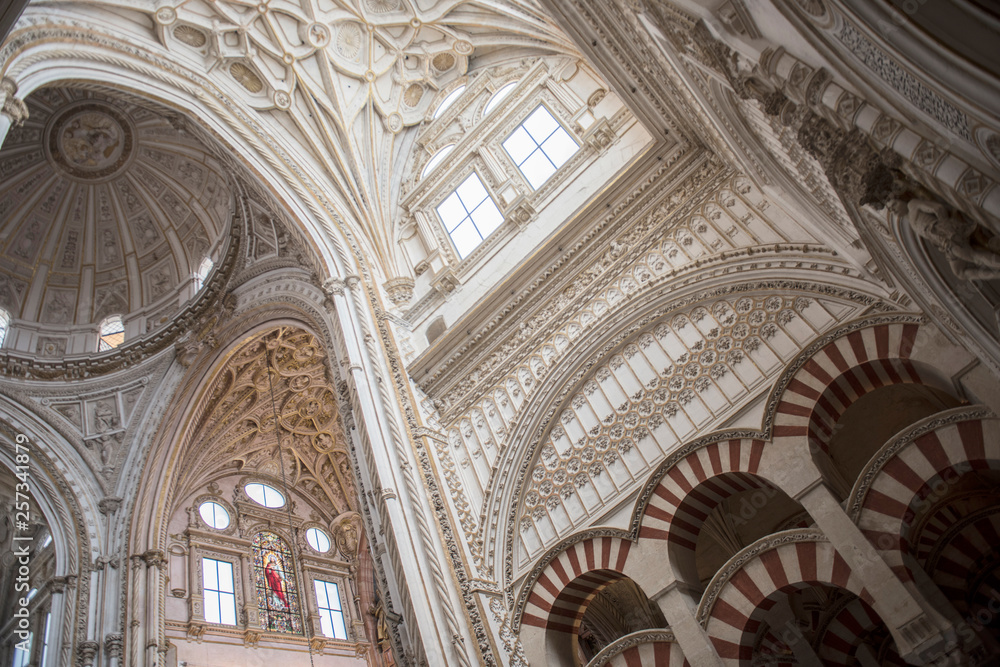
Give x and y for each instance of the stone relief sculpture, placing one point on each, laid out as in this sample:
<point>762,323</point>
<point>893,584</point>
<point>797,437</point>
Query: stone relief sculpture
<point>972,253</point>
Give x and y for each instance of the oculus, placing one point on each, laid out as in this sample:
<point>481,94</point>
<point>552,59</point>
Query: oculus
<point>265,495</point>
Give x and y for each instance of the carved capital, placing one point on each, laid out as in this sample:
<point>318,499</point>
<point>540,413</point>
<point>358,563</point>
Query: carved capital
<point>333,287</point>
<point>60,584</point>
<point>521,215</point>
<point>196,631</point>
<point>86,652</point>
<point>399,290</point>
<point>113,644</point>
<point>11,106</point>
<point>155,558</point>
<point>187,350</point>
<point>601,136</point>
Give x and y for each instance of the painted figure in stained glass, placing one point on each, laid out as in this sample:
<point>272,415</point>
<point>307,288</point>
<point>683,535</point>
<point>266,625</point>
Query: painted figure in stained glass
<point>274,579</point>
<point>274,582</point>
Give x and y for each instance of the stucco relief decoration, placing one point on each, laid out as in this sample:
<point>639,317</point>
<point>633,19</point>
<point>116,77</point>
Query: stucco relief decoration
<point>237,427</point>
<point>90,141</point>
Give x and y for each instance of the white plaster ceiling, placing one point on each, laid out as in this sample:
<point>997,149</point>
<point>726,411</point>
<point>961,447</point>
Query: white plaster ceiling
<point>105,208</point>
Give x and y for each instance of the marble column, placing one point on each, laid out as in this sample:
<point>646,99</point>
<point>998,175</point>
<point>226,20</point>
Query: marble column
<point>679,610</point>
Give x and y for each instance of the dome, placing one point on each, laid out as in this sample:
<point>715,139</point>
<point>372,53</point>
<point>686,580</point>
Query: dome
<point>105,209</point>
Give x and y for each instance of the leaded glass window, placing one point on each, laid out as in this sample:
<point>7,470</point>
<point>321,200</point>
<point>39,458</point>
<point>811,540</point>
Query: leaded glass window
<point>274,581</point>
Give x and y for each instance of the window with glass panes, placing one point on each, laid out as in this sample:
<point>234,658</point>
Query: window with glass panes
<point>112,333</point>
<point>539,146</point>
<point>469,215</point>
<point>220,595</point>
<point>331,613</point>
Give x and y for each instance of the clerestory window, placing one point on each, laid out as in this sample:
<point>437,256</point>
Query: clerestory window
<point>469,215</point>
<point>220,593</point>
<point>539,146</point>
<point>331,612</point>
<point>112,333</point>
<point>202,274</point>
<point>4,325</point>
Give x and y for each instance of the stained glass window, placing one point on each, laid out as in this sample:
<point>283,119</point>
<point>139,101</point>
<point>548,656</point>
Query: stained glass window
<point>274,581</point>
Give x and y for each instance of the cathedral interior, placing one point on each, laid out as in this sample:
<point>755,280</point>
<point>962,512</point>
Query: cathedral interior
<point>421,333</point>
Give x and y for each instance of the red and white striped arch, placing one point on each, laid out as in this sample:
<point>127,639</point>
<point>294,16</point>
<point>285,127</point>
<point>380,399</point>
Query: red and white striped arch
<point>675,514</point>
<point>856,624</point>
<point>782,567</point>
<point>560,594</point>
<point>969,552</point>
<point>841,372</point>
<point>652,654</point>
<point>923,471</point>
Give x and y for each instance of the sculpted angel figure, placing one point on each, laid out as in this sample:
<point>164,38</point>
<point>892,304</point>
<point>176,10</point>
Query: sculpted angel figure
<point>971,255</point>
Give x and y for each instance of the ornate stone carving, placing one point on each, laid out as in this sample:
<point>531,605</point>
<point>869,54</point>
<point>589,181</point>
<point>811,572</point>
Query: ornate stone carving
<point>973,253</point>
<point>196,631</point>
<point>113,644</point>
<point>399,290</point>
<point>11,106</point>
<point>445,281</point>
<point>187,350</point>
<point>109,505</point>
<point>86,651</point>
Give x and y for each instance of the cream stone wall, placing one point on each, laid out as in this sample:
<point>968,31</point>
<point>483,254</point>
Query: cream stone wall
<point>722,391</point>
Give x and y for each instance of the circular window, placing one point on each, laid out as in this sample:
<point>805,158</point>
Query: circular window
<point>265,495</point>
<point>318,540</point>
<point>214,514</point>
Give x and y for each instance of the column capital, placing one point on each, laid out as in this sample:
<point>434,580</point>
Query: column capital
<point>10,105</point>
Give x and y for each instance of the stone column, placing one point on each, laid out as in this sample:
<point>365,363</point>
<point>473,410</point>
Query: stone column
<point>785,627</point>
<point>679,610</point>
<point>917,627</point>
<point>58,605</point>
<point>155,565</point>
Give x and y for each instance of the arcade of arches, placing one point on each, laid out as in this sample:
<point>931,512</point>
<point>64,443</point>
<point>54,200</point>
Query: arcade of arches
<point>410,333</point>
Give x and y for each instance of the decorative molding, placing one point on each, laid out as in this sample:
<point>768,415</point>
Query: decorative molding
<point>622,644</point>
<point>856,501</point>
<point>736,563</point>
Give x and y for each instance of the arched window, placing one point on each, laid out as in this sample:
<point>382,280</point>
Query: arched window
<point>437,159</point>
<point>202,274</point>
<point>4,325</point>
<point>448,101</point>
<point>274,582</point>
<point>498,97</point>
<point>112,333</point>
